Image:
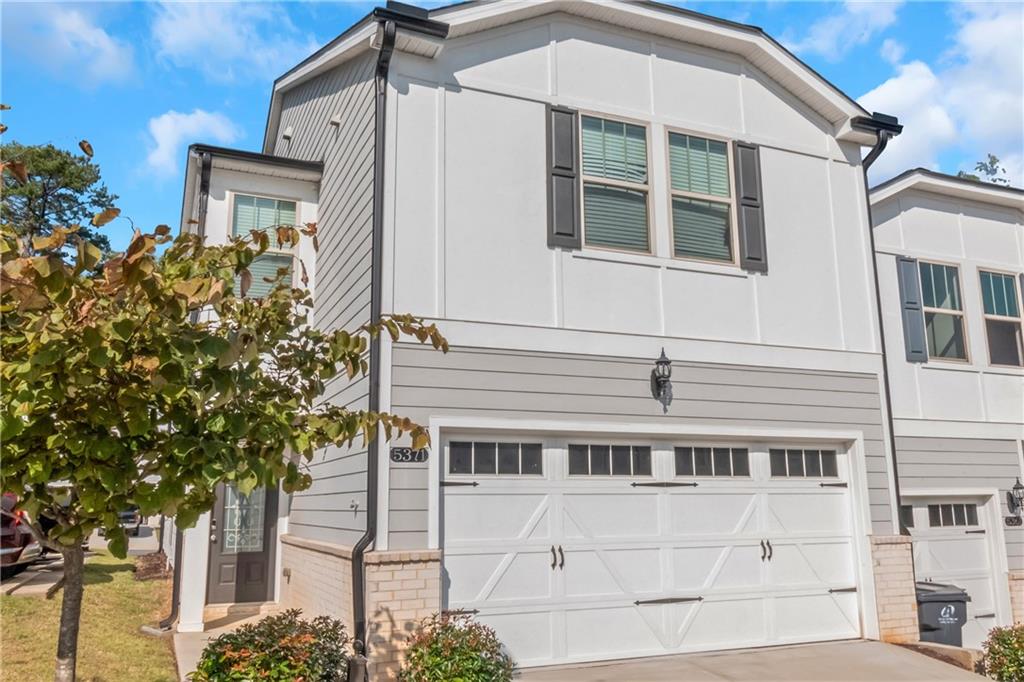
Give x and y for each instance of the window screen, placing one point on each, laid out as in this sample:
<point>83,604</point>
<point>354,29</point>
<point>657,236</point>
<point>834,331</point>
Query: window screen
<point>701,198</point>
<point>1002,318</point>
<point>615,184</point>
<point>943,311</point>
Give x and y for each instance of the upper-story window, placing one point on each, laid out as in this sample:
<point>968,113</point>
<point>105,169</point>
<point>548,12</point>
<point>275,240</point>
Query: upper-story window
<point>615,185</point>
<point>943,311</point>
<point>701,198</point>
<point>1001,305</point>
<point>261,213</point>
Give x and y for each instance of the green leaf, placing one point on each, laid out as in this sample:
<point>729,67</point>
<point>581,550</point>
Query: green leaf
<point>123,328</point>
<point>217,423</point>
<point>117,542</point>
<point>99,356</point>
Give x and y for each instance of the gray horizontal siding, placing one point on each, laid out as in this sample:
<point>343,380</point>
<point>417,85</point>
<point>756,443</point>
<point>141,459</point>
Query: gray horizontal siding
<point>342,296</point>
<point>962,463</point>
<point>501,383</point>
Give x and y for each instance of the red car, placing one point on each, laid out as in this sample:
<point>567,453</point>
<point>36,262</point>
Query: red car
<point>18,548</point>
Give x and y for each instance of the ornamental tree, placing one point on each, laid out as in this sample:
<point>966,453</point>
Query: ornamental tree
<point>145,379</point>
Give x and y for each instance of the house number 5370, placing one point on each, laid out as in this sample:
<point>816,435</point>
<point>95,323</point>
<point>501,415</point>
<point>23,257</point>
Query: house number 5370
<point>409,455</point>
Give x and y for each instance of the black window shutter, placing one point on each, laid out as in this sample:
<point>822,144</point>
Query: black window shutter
<point>750,208</point>
<point>563,178</point>
<point>912,312</point>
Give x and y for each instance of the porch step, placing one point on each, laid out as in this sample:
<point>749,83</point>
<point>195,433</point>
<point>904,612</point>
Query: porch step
<point>224,615</point>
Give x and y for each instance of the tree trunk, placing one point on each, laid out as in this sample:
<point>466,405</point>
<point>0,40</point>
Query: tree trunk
<point>70,613</point>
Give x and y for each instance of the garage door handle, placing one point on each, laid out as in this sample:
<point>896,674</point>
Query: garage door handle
<point>770,550</point>
<point>975,532</point>
<point>561,556</point>
<point>554,558</point>
<point>764,551</point>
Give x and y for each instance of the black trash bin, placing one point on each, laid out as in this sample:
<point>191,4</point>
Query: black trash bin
<point>941,612</point>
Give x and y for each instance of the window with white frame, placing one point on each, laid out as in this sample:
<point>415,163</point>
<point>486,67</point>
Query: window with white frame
<point>1001,306</point>
<point>702,200</point>
<point>615,185</point>
<point>262,213</point>
<point>952,515</point>
<point>943,311</point>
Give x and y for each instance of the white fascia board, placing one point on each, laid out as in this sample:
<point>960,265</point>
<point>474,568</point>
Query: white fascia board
<point>269,169</point>
<point>920,181</point>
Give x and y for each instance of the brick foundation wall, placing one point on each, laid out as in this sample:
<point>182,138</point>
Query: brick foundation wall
<point>402,588</point>
<point>317,578</point>
<point>1017,595</point>
<point>892,559</point>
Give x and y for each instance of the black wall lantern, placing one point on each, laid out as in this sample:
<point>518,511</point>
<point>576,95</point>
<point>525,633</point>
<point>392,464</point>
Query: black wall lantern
<point>661,381</point>
<point>1015,502</point>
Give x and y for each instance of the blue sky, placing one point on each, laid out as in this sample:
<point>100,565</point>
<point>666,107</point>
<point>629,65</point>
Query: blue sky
<point>143,80</point>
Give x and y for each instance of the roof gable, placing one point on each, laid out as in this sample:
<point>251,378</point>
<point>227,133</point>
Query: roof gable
<point>652,18</point>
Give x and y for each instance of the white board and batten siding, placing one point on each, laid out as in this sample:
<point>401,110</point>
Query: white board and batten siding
<point>467,162</point>
<point>333,509</point>
<point>972,236</point>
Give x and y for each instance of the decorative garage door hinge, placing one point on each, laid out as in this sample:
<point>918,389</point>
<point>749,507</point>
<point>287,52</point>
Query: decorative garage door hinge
<point>835,590</point>
<point>833,485</point>
<point>461,612</point>
<point>458,483</point>
<point>668,600</point>
<point>664,484</point>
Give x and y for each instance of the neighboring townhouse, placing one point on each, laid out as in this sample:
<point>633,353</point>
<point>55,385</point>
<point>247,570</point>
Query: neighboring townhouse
<point>950,257</point>
<point>662,426</point>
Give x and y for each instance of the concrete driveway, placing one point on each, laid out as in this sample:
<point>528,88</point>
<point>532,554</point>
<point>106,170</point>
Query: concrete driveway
<point>855,661</point>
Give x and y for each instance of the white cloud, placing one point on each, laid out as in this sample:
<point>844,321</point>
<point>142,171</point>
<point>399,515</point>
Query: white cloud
<point>892,51</point>
<point>230,41</point>
<point>970,104</point>
<point>171,130</point>
<point>856,23</point>
<point>69,42</point>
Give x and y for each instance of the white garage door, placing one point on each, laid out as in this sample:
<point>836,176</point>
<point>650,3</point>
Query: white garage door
<point>951,545</point>
<point>581,550</point>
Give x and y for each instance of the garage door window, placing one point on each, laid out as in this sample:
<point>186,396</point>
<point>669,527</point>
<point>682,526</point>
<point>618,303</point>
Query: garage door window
<point>707,461</point>
<point>952,515</point>
<point>804,463</point>
<point>497,459</point>
<point>609,460</point>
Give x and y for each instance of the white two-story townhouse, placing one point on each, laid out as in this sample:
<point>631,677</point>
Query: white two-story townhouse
<point>662,426</point>
<point>950,257</point>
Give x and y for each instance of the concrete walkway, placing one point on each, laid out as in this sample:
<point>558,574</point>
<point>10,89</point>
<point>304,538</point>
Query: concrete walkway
<point>856,661</point>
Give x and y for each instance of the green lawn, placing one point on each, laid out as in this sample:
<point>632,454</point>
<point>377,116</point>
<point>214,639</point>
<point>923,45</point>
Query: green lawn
<point>110,646</point>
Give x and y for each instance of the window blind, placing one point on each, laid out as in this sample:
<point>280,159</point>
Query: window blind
<point>614,150</point>
<point>701,229</point>
<point>615,217</point>
<point>699,165</point>
<point>999,294</point>
<point>265,267</point>
<point>260,213</point>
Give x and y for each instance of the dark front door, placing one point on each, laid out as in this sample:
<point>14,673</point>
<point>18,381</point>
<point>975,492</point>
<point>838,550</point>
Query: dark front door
<point>242,539</point>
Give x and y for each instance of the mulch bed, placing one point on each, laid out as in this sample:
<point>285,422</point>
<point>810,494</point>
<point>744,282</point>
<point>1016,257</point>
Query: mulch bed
<point>151,567</point>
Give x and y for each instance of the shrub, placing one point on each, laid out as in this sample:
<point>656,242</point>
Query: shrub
<point>1004,654</point>
<point>455,648</point>
<point>278,648</point>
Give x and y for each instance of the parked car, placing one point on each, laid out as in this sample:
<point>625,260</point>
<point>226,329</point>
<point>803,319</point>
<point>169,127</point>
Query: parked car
<point>130,519</point>
<point>18,548</point>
